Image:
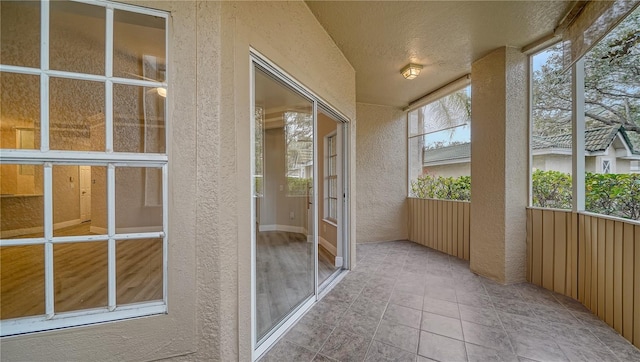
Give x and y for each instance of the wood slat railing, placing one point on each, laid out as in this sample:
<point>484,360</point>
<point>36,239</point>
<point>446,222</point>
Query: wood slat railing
<point>440,224</point>
<point>594,259</point>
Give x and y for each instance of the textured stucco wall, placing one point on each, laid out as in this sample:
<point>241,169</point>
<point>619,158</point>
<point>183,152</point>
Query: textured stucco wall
<point>499,138</point>
<point>382,173</point>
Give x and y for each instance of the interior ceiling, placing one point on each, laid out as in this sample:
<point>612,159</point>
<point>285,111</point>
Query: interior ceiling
<point>380,37</point>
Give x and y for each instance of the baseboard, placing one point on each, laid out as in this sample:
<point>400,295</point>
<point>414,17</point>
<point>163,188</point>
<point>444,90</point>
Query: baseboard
<point>65,224</point>
<point>6,234</point>
<point>285,228</point>
<point>139,229</point>
<point>98,230</point>
<point>327,245</point>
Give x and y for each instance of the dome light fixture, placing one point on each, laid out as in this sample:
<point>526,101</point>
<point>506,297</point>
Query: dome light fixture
<point>411,71</point>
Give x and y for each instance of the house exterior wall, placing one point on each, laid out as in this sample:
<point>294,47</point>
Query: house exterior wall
<point>382,166</point>
<point>450,170</point>
<point>209,254</point>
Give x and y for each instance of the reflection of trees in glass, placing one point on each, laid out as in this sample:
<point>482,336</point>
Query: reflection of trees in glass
<point>612,85</point>
<point>447,112</point>
<point>299,153</point>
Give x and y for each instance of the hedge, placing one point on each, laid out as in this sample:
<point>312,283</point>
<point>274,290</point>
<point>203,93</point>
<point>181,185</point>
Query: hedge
<point>608,194</point>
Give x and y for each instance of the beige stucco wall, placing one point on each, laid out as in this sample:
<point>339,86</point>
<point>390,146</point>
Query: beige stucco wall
<point>382,169</point>
<point>498,131</point>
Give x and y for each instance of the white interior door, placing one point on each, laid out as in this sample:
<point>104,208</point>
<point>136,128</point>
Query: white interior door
<point>85,193</point>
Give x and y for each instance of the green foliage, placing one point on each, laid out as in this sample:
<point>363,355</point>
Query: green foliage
<point>607,194</point>
<point>297,186</point>
<point>613,194</point>
<point>551,189</point>
<point>447,188</point>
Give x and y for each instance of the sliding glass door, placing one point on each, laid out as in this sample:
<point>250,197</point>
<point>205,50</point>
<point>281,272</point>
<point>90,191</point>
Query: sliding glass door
<point>284,197</point>
<point>299,175</point>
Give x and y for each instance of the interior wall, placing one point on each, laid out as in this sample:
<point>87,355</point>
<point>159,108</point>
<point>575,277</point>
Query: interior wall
<point>382,173</point>
<point>77,123</point>
<point>276,205</point>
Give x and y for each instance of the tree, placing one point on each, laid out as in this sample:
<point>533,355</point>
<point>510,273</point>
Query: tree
<point>612,85</point>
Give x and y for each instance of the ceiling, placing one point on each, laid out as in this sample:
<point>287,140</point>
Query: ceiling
<point>380,37</point>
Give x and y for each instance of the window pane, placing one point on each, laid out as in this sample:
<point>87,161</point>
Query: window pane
<point>20,33</point>
<point>76,115</point>
<point>333,187</point>
<point>77,37</point>
<point>80,272</point>
<point>551,131</point>
<point>332,165</point>
<point>138,270</point>
<point>138,46</point>
<point>79,200</point>
<point>333,212</point>
<point>612,122</point>
<point>19,110</point>
<point>139,119</point>
<point>138,200</point>
<point>332,148</point>
<point>22,203</point>
<point>440,148</point>
<point>21,281</point>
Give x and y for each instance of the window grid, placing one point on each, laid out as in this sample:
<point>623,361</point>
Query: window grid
<point>332,179</point>
<point>48,158</point>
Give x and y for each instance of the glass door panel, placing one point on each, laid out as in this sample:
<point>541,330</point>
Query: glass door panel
<point>284,201</point>
<point>329,192</point>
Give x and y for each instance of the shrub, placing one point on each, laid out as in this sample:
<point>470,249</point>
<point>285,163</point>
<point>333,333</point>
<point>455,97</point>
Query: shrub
<point>448,188</point>
<point>608,194</point>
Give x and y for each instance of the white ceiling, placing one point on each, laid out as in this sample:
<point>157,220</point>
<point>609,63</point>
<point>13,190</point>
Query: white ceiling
<point>380,37</point>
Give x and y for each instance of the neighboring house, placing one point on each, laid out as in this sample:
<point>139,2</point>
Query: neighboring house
<point>607,150</point>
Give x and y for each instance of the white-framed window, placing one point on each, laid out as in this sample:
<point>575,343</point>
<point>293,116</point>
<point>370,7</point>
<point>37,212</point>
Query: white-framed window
<point>439,145</point>
<point>569,176</point>
<point>331,177</point>
<point>83,237</point>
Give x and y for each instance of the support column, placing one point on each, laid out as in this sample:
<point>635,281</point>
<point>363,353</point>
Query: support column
<point>499,165</point>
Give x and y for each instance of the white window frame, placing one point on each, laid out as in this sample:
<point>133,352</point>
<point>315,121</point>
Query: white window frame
<point>606,166</point>
<point>109,159</point>
<point>331,138</point>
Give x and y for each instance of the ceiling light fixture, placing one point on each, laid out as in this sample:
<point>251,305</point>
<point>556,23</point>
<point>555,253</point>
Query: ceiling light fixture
<point>411,71</point>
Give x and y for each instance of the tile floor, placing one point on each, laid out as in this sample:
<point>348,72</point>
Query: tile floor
<point>406,302</point>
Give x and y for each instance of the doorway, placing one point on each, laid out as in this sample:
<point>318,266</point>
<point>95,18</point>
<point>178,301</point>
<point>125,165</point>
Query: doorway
<point>299,244</point>
<point>85,193</point>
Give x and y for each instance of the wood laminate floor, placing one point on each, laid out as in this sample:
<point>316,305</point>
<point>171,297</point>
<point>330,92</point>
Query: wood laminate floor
<point>80,274</point>
<point>284,275</point>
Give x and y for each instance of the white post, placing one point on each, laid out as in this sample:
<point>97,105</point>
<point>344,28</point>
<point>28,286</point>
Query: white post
<point>577,119</point>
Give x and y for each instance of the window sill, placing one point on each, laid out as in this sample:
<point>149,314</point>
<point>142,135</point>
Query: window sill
<point>331,222</point>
